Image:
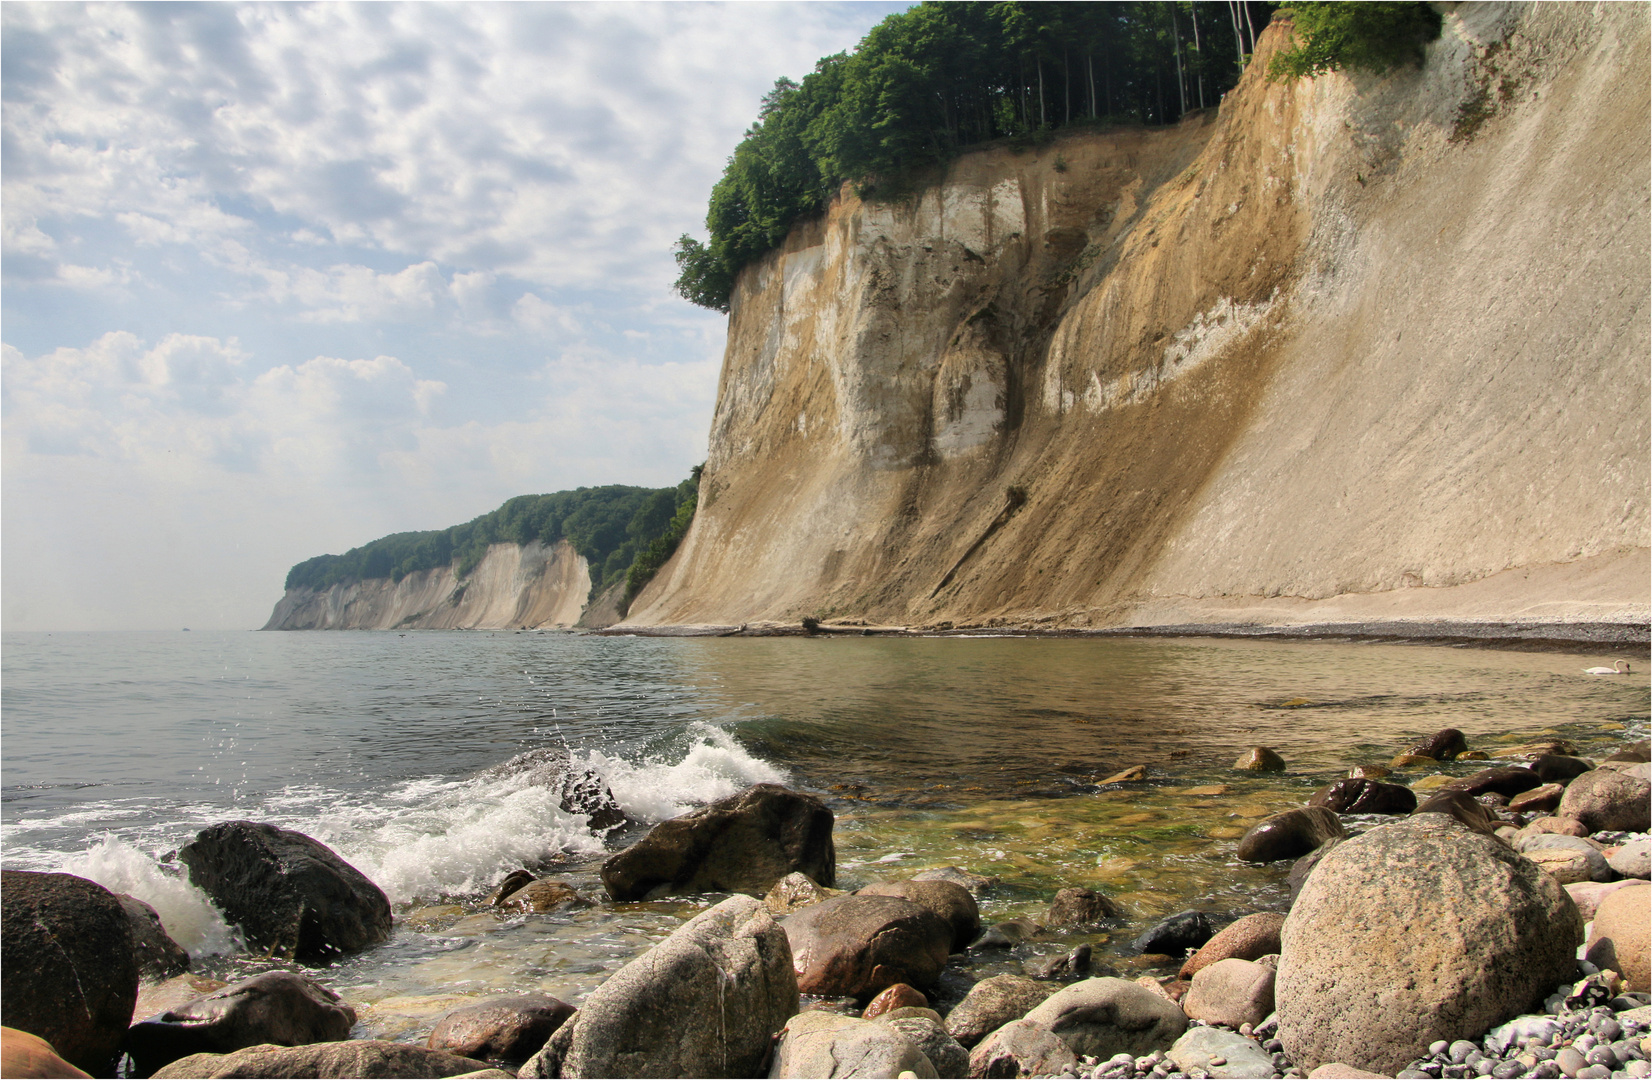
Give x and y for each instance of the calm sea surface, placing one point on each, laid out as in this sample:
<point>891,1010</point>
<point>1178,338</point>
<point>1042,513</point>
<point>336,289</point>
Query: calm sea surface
<point>982,753</point>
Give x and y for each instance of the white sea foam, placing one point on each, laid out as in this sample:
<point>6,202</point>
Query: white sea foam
<point>188,916</point>
<point>714,766</point>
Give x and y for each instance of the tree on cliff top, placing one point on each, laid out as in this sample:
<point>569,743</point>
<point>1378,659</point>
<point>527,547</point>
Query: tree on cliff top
<point>931,81</point>
<point>1367,34</point>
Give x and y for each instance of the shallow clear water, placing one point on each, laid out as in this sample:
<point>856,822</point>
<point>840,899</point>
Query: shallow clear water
<point>982,753</point>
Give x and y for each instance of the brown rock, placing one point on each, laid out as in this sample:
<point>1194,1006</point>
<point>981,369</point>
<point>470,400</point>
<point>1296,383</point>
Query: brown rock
<point>1352,795</point>
<point>67,969</point>
<point>949,901</point>
<point>1588,895</point>
<point>1103,1017</point>
<point>1559,768</point>
<point>1618,938</point>
<point>1638,751</point>
<point>1260,759</point>
<point>1507,780</point>
<point>513,881</point>
<point>1539,800</point>
<point>899,996</point>
<point>29,1057</point>
<point>1608,799</point>
<point>159,957</point>
<point>1305,865</point>
<point>1336,1070</point>
<point>1441,746</point>
<point>1369,772</point>
<point>1406,761</point>
<point>1129,776</point>
<point>1249,938</point>
<point>1474,755</point>
<point>1461,806</point>
<point>1230,993</point>
<point>325,1061</point>
<point>1290,834</point>
<point>858,945</point>
<point>510,1028</point>
<point>1075,907</point>
<point>742,844</point>
<point>281,1008</point>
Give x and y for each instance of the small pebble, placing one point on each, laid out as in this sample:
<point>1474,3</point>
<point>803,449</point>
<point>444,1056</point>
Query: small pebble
<point>1570,1060</point>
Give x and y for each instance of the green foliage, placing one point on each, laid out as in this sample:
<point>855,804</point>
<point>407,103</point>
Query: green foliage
<point>1366,34</point>
<point>609,526</point>
<point>664,545</point>
<point>938,78</point>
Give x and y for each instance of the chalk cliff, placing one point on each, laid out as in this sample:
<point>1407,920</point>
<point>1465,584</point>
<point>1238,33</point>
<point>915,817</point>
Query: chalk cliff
<point>515,586</point>
<point>1351,348</point>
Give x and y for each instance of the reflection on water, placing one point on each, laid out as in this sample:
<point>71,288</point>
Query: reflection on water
<point>979,753</point>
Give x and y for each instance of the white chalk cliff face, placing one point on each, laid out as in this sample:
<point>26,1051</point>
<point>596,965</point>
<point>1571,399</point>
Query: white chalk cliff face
<point>514,587</point>
<point>1351,348</point>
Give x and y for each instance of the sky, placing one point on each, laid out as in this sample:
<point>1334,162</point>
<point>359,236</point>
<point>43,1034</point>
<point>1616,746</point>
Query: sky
<point>281,279</point>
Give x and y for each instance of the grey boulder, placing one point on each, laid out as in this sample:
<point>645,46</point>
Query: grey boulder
<point>1021,1048</point>
<point>823,1044</point>
<point>721,985</point>
<point>1241,1057</point>
<point>992,1003</point>
<point>1417,931</point>
<point>1102,1017</point>
<point>946,1054</point>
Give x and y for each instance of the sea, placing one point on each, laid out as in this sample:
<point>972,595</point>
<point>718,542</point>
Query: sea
<point>987,752</point>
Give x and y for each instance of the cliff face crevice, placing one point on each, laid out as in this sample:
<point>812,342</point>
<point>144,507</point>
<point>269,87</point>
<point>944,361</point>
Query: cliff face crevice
<point>527,586</point>
<point>1350,345</point>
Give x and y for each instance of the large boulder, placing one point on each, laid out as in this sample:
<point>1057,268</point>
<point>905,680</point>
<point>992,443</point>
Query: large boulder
<point>291,895</point>
<point>742,844</point>
<point>1021,1048</point>
<point>1290,834</point>
<point>68,972</point>
<point>159,957</point>
<point>947,899</point>
<point>1416,931</point>
<point>1607,799</point>
<point>703,1002</point>
<point>1102,1017</point>
<point>1360,795</point>
<point>855,946</point>
<point>512,1028</point>
<point>1249,938</point>
<point>1618,936</point>
<point>280,1008</point>
<point>823,1044</point>
<point>992,1003</point>
<point>325,1061</point>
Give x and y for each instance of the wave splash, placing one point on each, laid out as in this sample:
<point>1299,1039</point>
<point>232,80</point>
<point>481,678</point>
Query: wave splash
<point>189,917</point>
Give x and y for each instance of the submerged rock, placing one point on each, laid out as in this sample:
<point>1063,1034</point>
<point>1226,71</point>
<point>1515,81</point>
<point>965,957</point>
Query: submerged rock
<point>1290,835</point>
<point>290,894</point>
<point>796,891</point>
<point>742,844</point>
<point>1260,759</point>
<point>545,895</point>
<point>1443,745</point>
<point>68,973</point>
<point>977,884</point>
<point>1073,908</point>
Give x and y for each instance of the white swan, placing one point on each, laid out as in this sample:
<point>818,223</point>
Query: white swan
<point>1619,667</point>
